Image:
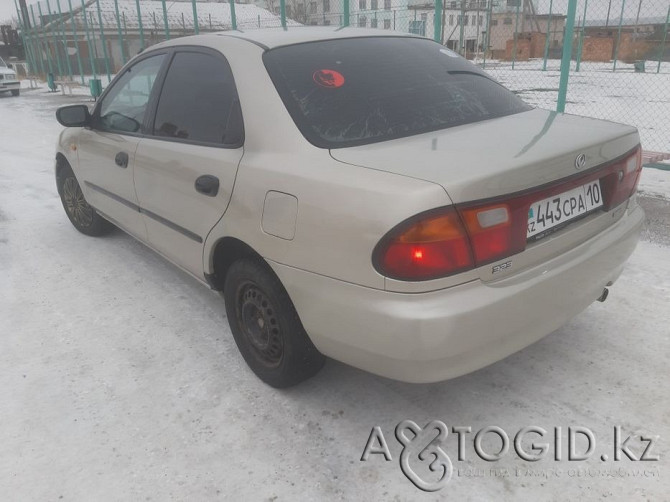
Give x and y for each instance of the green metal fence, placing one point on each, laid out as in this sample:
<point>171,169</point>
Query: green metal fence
<point>603,58</point>
<point>617,63</point>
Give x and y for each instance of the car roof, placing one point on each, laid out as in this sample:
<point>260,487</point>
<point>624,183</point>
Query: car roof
<point>276,37</point>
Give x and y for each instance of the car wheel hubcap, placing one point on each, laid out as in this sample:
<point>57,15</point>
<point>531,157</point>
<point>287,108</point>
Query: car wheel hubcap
<point>75,204</point>
<point>260,325</point>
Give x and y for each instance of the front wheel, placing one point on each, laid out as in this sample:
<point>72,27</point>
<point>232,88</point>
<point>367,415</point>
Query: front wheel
<point>81,214</point>
<point>16,92</point>
<point>266,326</point>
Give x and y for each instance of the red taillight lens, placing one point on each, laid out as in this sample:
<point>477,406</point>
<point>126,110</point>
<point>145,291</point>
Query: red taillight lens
<point>425,247</point>
<point>489,229</point>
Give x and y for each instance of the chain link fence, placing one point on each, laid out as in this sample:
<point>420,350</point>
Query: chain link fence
<point>620,49</point>
<point>620,64</point>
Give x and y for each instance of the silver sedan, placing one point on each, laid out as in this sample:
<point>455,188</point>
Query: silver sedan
<point>358,194</point>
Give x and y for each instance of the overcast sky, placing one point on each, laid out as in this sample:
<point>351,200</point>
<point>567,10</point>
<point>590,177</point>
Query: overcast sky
<point>597,9</point>
<point>7,10</point>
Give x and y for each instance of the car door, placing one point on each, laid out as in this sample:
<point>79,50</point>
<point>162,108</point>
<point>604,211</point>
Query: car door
<point>186,167</point>
<point>106,150</point>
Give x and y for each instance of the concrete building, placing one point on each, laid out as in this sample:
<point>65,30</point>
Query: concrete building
<point>463,23</point>
<point>532,30</point>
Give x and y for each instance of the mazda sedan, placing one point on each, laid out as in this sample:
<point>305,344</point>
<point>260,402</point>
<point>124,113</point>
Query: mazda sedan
<point>358,194</point>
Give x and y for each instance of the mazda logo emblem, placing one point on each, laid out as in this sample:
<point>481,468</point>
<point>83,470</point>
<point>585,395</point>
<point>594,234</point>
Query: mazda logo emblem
<point>580,161</point>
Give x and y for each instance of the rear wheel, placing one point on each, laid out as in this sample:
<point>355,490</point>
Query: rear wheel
<point>81,214</point>
<point>16,92</point>
<point>266,326</point>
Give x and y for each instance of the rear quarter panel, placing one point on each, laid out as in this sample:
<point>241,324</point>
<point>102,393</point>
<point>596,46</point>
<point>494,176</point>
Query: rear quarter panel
<point>343,211</point>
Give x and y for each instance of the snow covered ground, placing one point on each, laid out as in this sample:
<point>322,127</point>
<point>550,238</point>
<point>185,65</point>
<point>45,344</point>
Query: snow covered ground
<point>120,379</point>
<point>655,183</point>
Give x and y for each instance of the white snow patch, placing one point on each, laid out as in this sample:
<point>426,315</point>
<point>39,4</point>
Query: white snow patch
<point>120,376</point>
<point>655,183</point>
<point>639,99</point>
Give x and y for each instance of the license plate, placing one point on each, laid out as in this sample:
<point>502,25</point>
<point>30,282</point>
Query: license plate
<point>553,211</point>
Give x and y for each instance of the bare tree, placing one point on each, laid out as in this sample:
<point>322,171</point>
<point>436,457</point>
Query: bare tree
<point>297,10</point>
<point>10,21</point>
<point>272,6</point>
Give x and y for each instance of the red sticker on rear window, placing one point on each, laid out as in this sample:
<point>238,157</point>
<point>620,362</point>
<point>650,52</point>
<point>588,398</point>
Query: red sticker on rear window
<point>328,78</point>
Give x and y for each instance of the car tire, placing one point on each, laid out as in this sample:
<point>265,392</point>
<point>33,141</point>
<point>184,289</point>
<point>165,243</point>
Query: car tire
<point>82,216</point>
<point>266,326</point>
<point>16,92</point>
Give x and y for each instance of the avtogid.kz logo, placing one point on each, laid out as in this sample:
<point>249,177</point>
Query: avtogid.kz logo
<point>422,444</point>
<point>424,461</point>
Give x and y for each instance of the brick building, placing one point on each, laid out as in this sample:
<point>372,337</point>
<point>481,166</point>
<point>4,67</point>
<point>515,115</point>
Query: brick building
<point>640,39</point>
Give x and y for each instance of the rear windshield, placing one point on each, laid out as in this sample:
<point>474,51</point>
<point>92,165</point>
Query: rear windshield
<point>357,91</point>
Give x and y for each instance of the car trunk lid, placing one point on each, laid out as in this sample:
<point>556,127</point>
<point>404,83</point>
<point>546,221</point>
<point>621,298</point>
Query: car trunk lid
<point>500,156</point>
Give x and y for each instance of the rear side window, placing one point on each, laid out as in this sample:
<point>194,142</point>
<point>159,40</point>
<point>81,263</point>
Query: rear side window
<point>198,102</point>
<point>363,90</point>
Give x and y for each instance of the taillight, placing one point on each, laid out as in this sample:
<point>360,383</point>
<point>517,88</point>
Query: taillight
<point>623,181</point>
<point>490,231</point>
<point>449,240</point>
<point>430,245</point>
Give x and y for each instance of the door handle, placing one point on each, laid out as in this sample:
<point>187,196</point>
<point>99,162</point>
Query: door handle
<point>207,185</point>
<point>121,159</point>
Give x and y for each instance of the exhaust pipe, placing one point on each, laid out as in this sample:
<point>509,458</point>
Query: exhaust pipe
<point>604,294</point>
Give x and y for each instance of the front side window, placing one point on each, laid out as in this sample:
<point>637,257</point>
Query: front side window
<point>124,106</point>
<point>358,91</point>
<point>198,102</point>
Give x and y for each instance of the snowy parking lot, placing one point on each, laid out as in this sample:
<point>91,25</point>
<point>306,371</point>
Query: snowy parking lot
<point>120,379</point>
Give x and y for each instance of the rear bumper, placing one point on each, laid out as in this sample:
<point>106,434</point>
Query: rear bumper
<point>428,337</point>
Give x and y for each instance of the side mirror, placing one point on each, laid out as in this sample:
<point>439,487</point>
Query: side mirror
<point>73,116</point>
